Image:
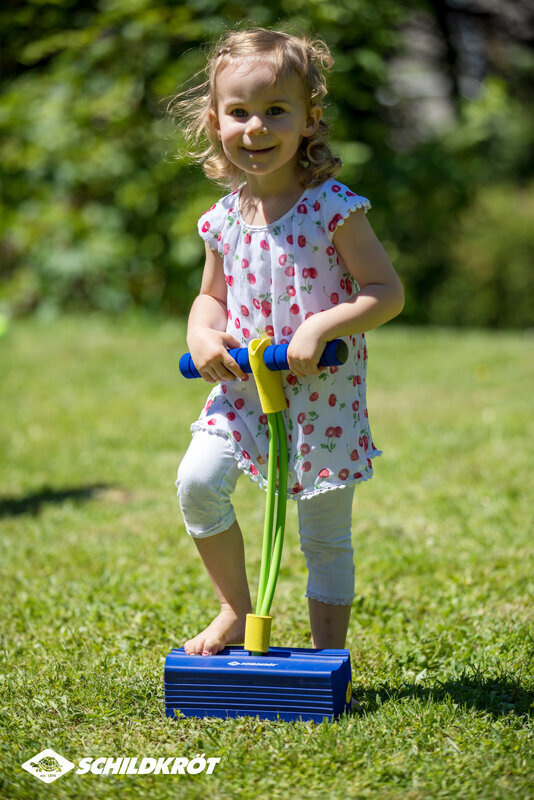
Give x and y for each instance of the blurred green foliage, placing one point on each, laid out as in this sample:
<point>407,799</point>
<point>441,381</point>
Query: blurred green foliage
<point>98,212</point>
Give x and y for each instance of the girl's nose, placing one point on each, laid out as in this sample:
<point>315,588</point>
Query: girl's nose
<point>256,125</point>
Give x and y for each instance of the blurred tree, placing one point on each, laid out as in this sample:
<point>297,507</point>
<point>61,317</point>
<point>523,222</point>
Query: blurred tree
<point>460,118</point>
<point>482,37</point>
<point>97,211</point>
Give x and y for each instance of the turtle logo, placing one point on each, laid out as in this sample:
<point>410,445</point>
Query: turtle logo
<point>48,766</point>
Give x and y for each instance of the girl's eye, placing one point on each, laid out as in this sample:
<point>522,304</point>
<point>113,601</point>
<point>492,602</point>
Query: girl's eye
<point>239,112</point>
<point>274,111</point>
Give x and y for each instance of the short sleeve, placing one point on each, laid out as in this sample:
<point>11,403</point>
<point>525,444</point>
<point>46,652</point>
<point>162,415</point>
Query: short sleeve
<point>338,202</point>
<point>210,225</point>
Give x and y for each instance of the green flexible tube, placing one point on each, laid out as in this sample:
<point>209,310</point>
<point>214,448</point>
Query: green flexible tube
<point>274,550</point>
<point>269,511</point>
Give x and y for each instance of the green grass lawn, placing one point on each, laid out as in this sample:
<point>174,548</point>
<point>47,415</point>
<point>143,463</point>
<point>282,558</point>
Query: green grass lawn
<point>99,579</point>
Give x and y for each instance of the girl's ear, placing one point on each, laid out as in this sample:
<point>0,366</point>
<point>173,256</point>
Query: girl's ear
<point>214,122</point>
<point>313,120</point>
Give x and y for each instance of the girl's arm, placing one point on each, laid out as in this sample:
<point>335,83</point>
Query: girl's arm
<point>380,298</point>
<point>206,329</point>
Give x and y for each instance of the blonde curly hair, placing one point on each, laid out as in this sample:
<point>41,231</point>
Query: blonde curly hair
<point>194,107</point>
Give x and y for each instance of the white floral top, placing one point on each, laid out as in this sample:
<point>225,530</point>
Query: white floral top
<point>277,275</point>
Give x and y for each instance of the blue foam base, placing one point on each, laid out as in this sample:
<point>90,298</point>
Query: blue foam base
<point>285,683</point>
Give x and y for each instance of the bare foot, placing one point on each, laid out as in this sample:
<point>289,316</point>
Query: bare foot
<point>226,628</point>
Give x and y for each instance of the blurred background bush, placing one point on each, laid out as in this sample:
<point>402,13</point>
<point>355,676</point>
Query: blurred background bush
<point>431,108</point>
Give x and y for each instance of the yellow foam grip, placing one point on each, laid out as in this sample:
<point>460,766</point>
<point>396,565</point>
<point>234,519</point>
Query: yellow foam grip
<point>257,633</point>
<point>269,383</point>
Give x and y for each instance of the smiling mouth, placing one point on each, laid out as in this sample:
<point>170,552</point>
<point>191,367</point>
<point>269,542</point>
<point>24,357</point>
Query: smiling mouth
<point>259,150</point>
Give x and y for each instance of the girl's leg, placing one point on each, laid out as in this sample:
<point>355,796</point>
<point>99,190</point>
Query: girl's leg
<point>224,558</point>
<point>206,478</point>
<point>325,540</point>
<point>329,624</point>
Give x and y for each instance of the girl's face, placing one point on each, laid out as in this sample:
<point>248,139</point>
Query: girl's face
<point>260,124</point>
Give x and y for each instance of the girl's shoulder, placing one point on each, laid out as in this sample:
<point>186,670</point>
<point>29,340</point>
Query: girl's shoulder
<point>333,193</point>
<point>212,221</point>
<point>333,202</point>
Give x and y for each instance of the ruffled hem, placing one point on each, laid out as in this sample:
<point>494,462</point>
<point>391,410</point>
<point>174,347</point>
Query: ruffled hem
<point>261,481</point>
<point>313,491</point>
<point>331,601</point>
<point>360,202</point>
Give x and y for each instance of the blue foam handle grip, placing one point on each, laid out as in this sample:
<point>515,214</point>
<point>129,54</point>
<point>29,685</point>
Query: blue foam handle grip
<point>335,353</point>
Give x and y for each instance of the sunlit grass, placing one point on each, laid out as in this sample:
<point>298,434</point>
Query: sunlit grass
<point>99,579</point>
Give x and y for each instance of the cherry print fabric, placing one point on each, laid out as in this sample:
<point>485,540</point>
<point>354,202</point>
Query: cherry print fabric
<point>277,275</point>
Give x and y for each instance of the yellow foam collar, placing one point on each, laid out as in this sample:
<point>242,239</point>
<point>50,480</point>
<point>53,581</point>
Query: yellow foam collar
<point>269,383</point>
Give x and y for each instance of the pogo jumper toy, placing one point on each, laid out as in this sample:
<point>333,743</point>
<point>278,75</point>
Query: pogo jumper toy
<point>255,679</point>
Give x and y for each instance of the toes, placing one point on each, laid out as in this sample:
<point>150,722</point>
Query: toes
<point>205,647</point>
<point>215,638</point>
<point>212,647</point>
<point>193,648</point>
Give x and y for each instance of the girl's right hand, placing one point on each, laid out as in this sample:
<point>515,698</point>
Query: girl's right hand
<point>209,351</point>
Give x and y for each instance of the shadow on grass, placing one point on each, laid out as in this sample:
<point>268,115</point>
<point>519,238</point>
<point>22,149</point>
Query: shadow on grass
<point>33,503</point>
<point>497,695</point>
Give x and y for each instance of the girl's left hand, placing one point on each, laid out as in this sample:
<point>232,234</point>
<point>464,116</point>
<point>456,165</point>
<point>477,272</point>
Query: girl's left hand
<point>305,350</point>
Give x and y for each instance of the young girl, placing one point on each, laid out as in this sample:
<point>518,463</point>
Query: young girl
<point>289,252</point>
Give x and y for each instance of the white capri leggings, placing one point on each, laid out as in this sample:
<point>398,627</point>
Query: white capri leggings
<point>206,479</point>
